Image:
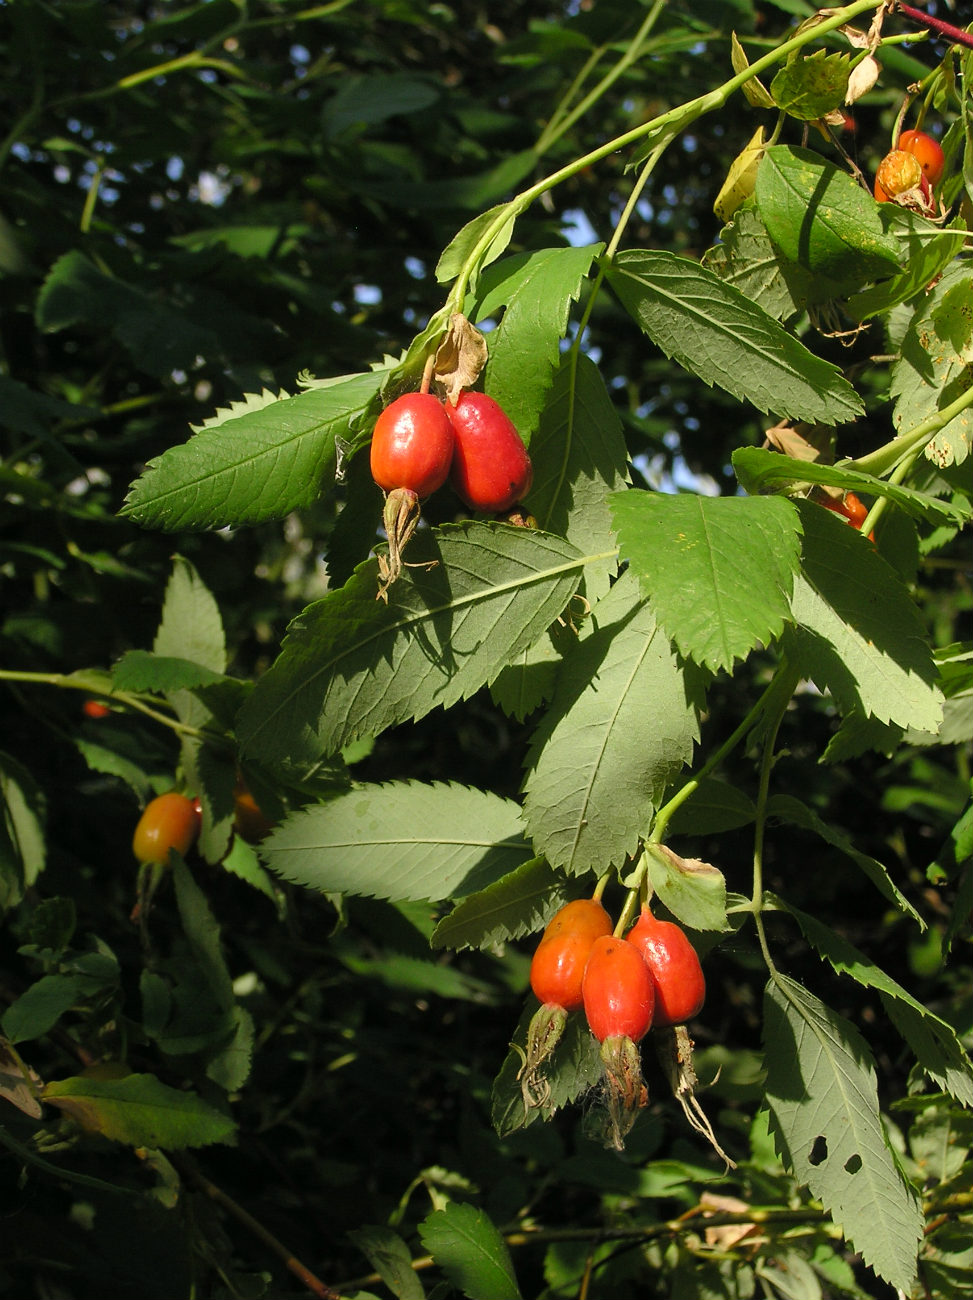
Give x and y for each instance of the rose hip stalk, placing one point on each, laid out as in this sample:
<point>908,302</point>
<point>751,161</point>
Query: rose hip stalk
<point>619,1003</point>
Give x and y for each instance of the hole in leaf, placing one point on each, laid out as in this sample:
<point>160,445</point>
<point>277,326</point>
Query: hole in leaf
<point>819,1152</point>
<point>853,1164</point>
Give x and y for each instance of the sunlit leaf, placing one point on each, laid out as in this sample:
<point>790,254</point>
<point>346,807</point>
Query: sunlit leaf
<point>823,1099</point>
<point>400,840</point>
<point>713,331</point>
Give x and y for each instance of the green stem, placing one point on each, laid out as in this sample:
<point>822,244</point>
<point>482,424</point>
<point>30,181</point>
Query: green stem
<point>562,122</point>
<point>791,676</point>
<point>91,199</point>
<point>781,684</point>
<point>130,700</point>
<point>906,446</point>
<point>553,131</point>
<point>667,125</point>
<point>25,1154</point>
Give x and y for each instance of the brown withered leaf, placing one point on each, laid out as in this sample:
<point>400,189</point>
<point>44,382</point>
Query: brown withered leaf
<point>863,78</point>
<point>726,1235</point>
<point>460,357</point>
<point>802,441</point>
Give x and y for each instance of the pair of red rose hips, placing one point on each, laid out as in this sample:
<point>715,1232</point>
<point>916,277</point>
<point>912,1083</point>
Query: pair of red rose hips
<point>419,442</point>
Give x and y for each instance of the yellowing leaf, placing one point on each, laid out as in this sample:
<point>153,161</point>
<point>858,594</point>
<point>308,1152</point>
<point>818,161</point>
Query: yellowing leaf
<point>139,1111</point>
<point>741,179</point>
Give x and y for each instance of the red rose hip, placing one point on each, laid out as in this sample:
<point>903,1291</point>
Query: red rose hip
<point>680,988</point>
<point>412,445</point>
<point>491,469</point>
<point>170,821</point>
<point>898,173</point>
<point>926,150</point>
<point>618,989</point>
<point>557,967</point>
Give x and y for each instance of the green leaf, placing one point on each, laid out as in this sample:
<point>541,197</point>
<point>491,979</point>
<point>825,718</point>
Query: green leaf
<point>823,1099</point>
<point>579,458</point>
<point>786,808</point>
<point>461,246</point>
<point>755,93</point>
<point>472,192</point>
<point>928,250</point>
<point>118,746</point>
<point>953,320</point>
<point>821,218</point>
<point>352,665</point>
<point>23,410</point>
<point>954,862</point>
<point>140,670</point>
<point>191,627</point>
<point>203,933</point>
<point>40,1007</point>
<point>934,1041</point>
<point>572,1072</point>
<point>713,331</point>
<point>140,1111</point>
<point>762,470</point>
<point>715,807</point>
<point>693,891</point>
<point>932,371</point>
<point>401,840</point>
<point>518,904</point>
<point>859,633</point>
<point>536,291</point>
<point>256,466</point>
<point>418,977</point>
<point>808,88</point>
<point>718,570</point>
<point>389,1256</point>
<point>595,773</point>
<point>364,100</point>
<point>747,260</point>
<point>23,848</point>
<point>242,861</point>
<point>471,1252</point>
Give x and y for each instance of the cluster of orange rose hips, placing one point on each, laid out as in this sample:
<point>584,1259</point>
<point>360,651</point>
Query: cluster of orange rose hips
<point>419,442</point>
<point>908,173</point>
<point>650,978</point>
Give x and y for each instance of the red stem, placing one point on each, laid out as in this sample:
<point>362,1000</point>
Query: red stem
<point>951,33</point>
